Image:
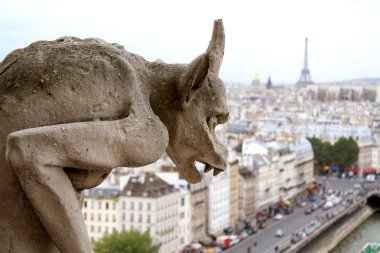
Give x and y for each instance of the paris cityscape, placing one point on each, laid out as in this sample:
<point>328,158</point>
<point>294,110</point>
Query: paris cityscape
<point>303,130</point>
<point>276,195</point>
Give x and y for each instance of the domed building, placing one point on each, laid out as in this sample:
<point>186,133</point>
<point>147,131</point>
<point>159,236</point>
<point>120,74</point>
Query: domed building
<point>256,83</point>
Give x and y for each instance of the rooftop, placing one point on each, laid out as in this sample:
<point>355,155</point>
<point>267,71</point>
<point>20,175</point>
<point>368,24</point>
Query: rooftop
<point>147,185</point>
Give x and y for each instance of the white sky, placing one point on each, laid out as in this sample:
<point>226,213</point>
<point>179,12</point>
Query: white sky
<point>264,37</point>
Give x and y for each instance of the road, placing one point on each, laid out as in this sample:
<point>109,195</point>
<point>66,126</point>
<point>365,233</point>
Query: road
<point>289,224</point>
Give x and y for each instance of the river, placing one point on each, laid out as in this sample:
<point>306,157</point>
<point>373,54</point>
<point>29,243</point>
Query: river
<point>366,232</point>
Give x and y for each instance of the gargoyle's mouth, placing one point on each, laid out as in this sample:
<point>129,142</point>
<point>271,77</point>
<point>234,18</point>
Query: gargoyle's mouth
<point>208,167</point>
<point>216,171</point>
<point>195,175</point>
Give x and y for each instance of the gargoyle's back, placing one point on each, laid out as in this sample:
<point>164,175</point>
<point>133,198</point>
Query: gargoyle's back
<point>49,83</point>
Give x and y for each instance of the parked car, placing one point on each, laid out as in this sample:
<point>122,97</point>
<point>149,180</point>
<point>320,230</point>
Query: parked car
<point>328,205</point>
<point>308,210</point>
<point>262,225</point>
<point>314,207</point>
<point>279,233</point>
<point>288,209</point>
<point>278,216</point>
<point>321,203</point>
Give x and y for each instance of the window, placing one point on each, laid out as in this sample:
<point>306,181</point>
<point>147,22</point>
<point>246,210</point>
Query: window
<point>123,227</point>
<point>123,205</point>
<point>140,206</point>
<point>106,216</point>
<point>148,218</point>
<point>92,228</point>
<point>99,229</point>
<point>123,217</point>
<point>140,218</point>
<point>132,217</point>
<point>100,205</point>
<point>132,205</point>
<point>107,205</point>
<point>182,201</point>
<point>85,216</point>
<point>99,217</point>
<point>92,216</point>
<point>113,218</point>
<point>85,203</point>
<point>148,206</point>
<point>182,215</point>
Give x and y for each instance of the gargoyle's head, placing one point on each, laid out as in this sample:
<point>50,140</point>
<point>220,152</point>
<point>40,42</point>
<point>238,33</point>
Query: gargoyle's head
<point>203,106</point>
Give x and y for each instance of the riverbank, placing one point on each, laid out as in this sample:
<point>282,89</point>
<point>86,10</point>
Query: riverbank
<point>331,237</point>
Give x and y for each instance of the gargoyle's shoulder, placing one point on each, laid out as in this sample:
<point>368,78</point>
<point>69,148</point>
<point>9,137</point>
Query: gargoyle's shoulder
<point>68,44</point>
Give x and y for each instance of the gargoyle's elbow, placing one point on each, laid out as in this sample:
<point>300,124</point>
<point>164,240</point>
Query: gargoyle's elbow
<point>14,154</point>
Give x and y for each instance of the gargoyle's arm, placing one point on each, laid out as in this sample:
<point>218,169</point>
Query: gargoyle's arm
<point>39,156</point>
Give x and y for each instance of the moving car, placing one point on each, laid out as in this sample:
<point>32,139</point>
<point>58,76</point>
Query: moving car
<point>279,233</point>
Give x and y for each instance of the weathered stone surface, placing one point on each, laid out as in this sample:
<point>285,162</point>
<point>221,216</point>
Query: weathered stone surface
<point>73,109</point>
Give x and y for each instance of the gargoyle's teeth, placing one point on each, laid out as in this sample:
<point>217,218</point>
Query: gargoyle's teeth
<point>208,167</point>
<point>217,171</point>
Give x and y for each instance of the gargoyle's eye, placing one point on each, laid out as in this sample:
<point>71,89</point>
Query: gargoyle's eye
<point>222,118</point>
<point>212,122</point>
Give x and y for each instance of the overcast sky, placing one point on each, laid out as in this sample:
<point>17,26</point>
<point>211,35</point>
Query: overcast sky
<point>264,37</point>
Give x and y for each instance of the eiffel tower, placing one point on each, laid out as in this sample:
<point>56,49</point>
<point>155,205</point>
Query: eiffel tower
<point>305,78</point>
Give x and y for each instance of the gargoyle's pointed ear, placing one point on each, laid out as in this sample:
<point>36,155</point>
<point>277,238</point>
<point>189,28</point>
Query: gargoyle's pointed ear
<point>216,47</point>
<point>193,78</point>
<point>209,61</point>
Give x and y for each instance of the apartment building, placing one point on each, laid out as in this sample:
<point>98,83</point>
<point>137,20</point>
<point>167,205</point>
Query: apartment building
<point>101,211</point>
<point>218,203</point>
<point>146,203</point>
<point>234,192</point>
<point>247,194</point>
<point>151,204</point>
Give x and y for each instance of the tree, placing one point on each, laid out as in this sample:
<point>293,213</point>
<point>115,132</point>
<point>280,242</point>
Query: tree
<point>316,144</point>
<point>327,153</point>
<point>346,152</point>
<point>126,242</point>
<point>353,150</point>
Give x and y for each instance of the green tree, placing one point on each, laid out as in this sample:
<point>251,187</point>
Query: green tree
<point>126,242</point>
<point>346,152</point>
<point>327,153</point>
<point>316,144</point>
<point>353,150</point>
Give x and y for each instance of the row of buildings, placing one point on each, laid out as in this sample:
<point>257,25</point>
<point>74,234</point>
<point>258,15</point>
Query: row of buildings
<point>270,161</point>
<point>156,200</point>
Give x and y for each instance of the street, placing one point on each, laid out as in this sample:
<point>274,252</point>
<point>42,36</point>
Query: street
<point>289,224</point>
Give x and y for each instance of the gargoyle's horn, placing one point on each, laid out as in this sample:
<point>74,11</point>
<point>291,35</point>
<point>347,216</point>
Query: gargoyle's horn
<point>216,46</point>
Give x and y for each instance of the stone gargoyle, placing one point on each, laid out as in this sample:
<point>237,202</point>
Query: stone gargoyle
<point>73,109</point>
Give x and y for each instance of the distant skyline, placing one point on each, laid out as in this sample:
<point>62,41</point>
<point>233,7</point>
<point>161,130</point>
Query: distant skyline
<point>263,37</point>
